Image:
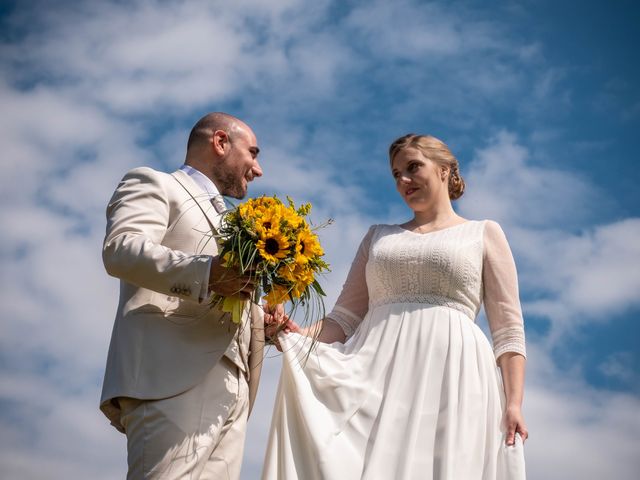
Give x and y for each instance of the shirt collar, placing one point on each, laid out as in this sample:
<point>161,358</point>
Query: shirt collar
<point>201,180</point>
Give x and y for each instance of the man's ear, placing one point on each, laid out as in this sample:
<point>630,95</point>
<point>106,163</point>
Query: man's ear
<point>220,142</point>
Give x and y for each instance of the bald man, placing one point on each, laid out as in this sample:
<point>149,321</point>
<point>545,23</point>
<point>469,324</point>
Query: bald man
<point>181,378</point>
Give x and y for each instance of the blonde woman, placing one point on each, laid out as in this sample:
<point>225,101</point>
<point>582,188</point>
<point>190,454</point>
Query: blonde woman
<point>404,384</point>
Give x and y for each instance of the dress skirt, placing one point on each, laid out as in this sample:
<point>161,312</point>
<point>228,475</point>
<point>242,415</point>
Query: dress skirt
<point>415,393</point>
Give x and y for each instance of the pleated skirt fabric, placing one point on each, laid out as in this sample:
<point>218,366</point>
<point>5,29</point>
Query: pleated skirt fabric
<point>415,393</point>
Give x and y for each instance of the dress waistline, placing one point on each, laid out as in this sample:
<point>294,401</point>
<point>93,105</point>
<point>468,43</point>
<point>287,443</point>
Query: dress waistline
<point>426,300</point>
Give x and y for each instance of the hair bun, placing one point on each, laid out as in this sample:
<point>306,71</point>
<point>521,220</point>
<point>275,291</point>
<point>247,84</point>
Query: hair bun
<point>456,185</point>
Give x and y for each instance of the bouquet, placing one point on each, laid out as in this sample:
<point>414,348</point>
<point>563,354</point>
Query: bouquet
<point>275,245</point>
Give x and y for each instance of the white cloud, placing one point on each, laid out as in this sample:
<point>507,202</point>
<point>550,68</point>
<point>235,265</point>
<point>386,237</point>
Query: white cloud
<point>606,277</point>
<point>147,55</point>
<point>409,29</point>
<point>291,175</point>
<point>591,276</point>
<point>578,273</point>
<point>505,183</point>
<point>469,63</point>
<point>318,61</point>
<point>620,366</point>
<point>134,56</point>
<point>56,432</point>
<point>576,430</point>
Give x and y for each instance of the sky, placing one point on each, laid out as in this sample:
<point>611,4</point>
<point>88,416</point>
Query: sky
<point>539,101</point>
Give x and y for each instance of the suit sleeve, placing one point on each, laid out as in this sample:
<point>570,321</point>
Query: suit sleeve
<point>137,219</point>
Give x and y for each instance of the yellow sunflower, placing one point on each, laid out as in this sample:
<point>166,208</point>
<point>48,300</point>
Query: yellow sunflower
<point>268,221</point>
<point>264,205</point>
<point>278,294</point>
<point>291,217</point>
<point>247,210</point>
<point>286,272</point>
<point>256,208</point>
<point>304,275</point>
<point>300,276</point>
<point>266,202</point>
<point>307,246</point>
<point>273,245</point>
<point>304,279</point>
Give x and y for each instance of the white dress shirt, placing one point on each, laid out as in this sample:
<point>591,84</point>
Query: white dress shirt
<point>202,180</point>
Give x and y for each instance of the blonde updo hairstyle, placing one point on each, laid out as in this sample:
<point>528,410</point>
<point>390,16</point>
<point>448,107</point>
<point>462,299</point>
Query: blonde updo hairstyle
<point>435,150</point>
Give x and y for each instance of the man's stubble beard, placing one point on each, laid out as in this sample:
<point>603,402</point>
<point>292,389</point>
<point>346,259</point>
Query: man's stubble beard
<point>229,185</point>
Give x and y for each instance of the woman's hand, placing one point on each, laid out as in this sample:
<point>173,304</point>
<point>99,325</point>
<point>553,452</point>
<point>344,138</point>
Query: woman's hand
<point>275,321</point>
<point>514,422</point>
<point>273,314</point>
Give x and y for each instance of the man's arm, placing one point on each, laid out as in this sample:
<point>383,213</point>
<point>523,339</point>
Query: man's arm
<point>137,220</point>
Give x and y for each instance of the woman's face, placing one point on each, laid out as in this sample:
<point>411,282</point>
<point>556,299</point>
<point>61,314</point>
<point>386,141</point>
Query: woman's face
<point>418,180</point>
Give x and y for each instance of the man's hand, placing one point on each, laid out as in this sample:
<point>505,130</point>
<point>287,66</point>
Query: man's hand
<point>228,282</point>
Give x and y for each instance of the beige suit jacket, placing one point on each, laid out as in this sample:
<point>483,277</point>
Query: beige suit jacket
<point>165,337</point>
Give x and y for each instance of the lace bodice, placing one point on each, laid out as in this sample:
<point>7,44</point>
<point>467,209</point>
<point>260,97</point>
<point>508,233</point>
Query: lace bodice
<point>459,267</point>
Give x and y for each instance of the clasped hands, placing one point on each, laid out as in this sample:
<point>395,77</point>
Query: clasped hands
<point>275,321</point>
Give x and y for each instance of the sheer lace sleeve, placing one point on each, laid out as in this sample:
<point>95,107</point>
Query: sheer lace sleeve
<point>501,298</point>
<point>353,302</point>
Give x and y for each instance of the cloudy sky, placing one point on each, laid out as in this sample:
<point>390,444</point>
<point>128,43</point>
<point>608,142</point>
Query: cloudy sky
<point>538,99</point>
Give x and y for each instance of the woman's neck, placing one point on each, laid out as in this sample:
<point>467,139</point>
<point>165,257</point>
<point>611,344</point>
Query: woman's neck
<point>438,216</point>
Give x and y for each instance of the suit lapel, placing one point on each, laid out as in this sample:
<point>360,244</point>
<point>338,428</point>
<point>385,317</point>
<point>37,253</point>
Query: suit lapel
<point>200,197</point>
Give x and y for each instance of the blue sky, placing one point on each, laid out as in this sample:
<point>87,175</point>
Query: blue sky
<point>539,100</point>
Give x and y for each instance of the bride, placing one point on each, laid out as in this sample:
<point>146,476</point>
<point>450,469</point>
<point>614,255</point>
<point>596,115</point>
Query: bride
<point>403,384</point>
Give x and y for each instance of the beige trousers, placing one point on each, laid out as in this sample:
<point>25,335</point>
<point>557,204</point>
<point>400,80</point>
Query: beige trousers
<point>198,434</point>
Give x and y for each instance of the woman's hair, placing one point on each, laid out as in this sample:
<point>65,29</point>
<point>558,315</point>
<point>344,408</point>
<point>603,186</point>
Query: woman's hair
<point>435,150</point>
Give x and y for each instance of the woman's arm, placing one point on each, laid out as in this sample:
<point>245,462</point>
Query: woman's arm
<point>325,330</point>
<point>512,366</point>
<point>502,306</point>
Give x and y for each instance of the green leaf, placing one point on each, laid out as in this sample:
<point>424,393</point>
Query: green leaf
<point>316,286</point>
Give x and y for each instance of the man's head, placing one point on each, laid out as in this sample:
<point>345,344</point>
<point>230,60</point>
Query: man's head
<point>225,149</point>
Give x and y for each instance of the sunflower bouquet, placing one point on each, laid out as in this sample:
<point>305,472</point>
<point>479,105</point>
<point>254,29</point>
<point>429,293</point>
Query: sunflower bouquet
<point>275,245</point>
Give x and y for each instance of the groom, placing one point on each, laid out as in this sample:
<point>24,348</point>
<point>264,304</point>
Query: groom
<point>181,378</point>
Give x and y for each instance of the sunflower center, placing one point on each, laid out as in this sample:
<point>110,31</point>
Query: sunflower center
<point>301,248</point>
<point>271,246</point>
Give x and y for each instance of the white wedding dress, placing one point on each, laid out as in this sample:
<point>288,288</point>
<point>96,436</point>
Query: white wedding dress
<point>414,392</point>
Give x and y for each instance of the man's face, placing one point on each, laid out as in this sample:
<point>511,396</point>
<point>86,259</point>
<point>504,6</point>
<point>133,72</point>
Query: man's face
<point>240,165</point>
